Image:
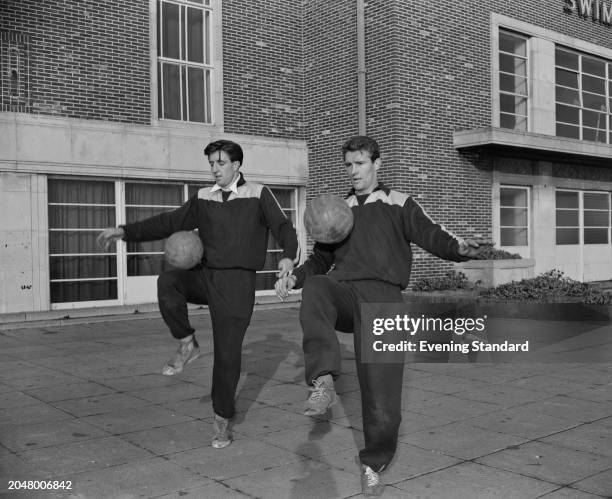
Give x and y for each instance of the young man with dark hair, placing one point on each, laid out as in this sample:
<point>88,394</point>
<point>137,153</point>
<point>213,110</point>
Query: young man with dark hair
<point>233,218</point>
<point>372,264</point>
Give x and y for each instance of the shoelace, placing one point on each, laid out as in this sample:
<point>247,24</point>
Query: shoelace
<point>319,391</point>
<point>220,427</point>
<point>371,477</point>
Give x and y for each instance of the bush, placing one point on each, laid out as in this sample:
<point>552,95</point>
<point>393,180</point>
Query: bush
<point>488,252</point>
<point>451,280</point>
<point>549,286</point>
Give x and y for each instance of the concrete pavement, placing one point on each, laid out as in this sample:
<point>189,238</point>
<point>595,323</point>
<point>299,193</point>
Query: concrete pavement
<point>84,405</point>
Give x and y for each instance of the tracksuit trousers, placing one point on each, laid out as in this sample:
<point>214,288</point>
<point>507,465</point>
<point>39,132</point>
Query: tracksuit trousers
<point>230,295</point>
<point>329,305</point>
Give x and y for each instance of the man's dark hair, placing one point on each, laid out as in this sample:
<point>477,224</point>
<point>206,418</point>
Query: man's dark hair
<point>233,150</point>
<point>361,143</point>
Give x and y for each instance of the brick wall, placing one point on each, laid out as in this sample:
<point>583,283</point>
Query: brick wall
<point>428,75</point>
<point>290,70</point>
<point>263,68</point>
<point>88,58</point>
<point>330,90</point>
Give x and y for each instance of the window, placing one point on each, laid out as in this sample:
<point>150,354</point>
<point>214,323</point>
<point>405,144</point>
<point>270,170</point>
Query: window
<point>79,270</point>
<point>15,72</point>
<point>591,209</point>
<point>79,209</point>
<point>514,216</point>
<point>596,217</point>
<point>567,217</point>
<point>184,62</point>
<point>143,201</point>
<point>513,81</point>
<point>583,96</point>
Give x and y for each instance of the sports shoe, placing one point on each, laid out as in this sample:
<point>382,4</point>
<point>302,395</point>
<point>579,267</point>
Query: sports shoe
<point>371,485</point>
<point>187,352</point>
<point>323,396</point>
<point>223,436</point>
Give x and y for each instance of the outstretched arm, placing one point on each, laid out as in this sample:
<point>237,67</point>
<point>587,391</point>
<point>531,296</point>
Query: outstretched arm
<point>152,228</point>
<point>432,237</point>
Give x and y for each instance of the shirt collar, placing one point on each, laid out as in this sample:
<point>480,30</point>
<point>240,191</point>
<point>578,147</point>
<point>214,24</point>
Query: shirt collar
<point>233,187</point>
<point>379,187</point>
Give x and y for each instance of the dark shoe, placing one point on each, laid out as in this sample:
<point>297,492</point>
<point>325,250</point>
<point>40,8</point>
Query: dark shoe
<point>371,484</point>
<point>223,436</point>
<point>323,396</point>
<point>187,352</point>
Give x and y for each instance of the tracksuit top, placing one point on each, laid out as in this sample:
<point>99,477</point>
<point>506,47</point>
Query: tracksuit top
<point>234,233</point>
<point>378,247</point>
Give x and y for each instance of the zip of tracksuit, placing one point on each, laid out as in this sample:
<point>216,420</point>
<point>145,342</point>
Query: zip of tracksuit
<point>372,264</point>
<point>234,233</point>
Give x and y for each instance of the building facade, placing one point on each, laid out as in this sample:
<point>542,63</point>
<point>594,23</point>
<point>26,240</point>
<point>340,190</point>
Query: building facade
<point>496,117</point>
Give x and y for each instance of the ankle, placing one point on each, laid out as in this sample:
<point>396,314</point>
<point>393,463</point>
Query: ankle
<point>325,379</point>
<point>187,339</point>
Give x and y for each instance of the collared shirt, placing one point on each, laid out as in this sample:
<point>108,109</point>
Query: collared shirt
<point>379,187</point>
<point>233,187</point>
<point>361,198</point>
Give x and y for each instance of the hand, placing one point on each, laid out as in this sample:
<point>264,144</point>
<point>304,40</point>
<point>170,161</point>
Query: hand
<point>284,285</point>
<point>469,248</point>
<point>285,267</point>
<point>107,236</point>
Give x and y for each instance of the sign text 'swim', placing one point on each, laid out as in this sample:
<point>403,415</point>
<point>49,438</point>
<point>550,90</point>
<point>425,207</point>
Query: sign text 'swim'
<point>598,10</point>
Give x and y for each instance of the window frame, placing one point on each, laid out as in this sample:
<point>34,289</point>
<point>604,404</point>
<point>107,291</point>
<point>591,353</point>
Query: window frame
<point>215,67</point>
<point>527,77</point>
<point>578,210</point>
<point>120,252</point>
<point>541,62</point>
<point>527,190</point>
<point>607,96</point>
<point>581,217</point>
<point>118,261</point>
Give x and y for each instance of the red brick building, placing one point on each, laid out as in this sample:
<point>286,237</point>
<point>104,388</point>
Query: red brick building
<point>495,117</point>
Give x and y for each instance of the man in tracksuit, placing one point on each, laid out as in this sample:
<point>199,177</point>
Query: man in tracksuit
<point>371,265</point>
<point>233,218</point>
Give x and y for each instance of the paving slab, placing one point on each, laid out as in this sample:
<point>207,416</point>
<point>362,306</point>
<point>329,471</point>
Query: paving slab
<point>569,493</point>
<point>472,480</point>
<point>101,404</point>
<point>303,479</point>
<point>597,484</point>
<point>141,478</point>
<point>461,440</point>
<point>594,437</point>
<point>243,457</point>
<point>72,391</point>
<point>409,461</point>
<point>316,439</point>
<point>87,403</point>
<point>516,421</point>
<point>96,453</point>
<point>174,438</point>
<point>130,420</point>
<point>548,462</point>
<point>212,490</point>
<point>570,408</point>
<point>32,413</point>
<point>30,436</point>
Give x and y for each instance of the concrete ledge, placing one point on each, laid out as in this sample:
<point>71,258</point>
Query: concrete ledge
<point>492,273</point>
<point>514,139</point>
<point>22,320</point>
